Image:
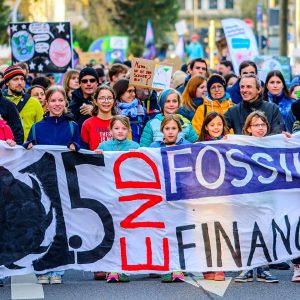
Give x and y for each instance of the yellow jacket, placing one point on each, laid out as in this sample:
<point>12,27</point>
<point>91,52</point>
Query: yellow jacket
<point>31,113</point>
<point>208,106</point>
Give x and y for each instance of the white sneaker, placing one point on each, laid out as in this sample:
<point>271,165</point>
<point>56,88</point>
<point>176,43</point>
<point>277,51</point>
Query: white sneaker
<point>43,279</point>
<point>296,275</point>
<point>55,279</point>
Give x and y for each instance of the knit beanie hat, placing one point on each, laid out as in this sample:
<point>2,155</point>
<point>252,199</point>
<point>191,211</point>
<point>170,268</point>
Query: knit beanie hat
<point>88,71</point>
<point>215,78</point>
<point>12,72</point>
<point>163,97</point>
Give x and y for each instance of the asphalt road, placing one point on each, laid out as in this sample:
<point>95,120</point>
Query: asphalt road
<point>80,285</point>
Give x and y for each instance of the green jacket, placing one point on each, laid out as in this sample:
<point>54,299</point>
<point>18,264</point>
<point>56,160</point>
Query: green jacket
<point>31,113</point>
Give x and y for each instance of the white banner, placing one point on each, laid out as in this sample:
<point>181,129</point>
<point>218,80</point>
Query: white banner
<point>241,41</point>
<point>225,205</point>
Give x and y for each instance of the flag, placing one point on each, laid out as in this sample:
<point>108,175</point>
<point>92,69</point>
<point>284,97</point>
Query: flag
<point>150,51</point>
<point>179,51</point>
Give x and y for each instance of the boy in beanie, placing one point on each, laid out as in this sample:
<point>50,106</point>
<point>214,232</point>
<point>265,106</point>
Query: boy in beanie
<point>81,103</point>
<point>217,100</point>
<point>29,108</point>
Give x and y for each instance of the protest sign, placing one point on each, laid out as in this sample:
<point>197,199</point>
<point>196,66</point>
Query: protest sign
<point>241,41</point>
<point>86,58</point>
<point>45,47</point>
<point>213,206</point>
<point>176,62</point>
<point>267,63</point>
<point>150,74</point>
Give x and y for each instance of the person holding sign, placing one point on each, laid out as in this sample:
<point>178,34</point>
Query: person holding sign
<point>169,101</point>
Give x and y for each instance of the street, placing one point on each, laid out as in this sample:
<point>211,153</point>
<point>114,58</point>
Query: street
<point>80,285</point>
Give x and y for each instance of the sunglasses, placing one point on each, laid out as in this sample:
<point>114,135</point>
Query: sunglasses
<point>93,80</point>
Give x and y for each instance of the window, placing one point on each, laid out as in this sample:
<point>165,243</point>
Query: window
<point>182,4</point>
<point>199,4</point>
<point>229,4</point>
<point>213,4</point>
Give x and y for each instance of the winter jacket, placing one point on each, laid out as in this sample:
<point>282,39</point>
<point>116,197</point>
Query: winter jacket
<point>31,113</point>
<point>137,118</point>
<point>55,131</point>
<point>77,101</point>
<point>5,132</point>
<point>236,115</point>
<point>283,103</point>
<point>289,121</point>
<point>115,145</point>
<point>9,113</point>
<point>188,112</point>
<point>208,106</point>
<point>182,87</point>
<point>152,132</point>
<point>160,144</point>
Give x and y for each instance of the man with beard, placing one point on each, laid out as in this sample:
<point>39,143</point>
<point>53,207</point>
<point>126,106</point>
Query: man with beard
<point>29,108</point>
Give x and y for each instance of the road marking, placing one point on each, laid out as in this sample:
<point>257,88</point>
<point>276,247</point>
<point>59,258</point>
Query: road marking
<point>216,287</point>
<point>25,287</point>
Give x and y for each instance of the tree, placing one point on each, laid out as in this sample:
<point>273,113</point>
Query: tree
<point>131,18</point>
<point>4,21</point>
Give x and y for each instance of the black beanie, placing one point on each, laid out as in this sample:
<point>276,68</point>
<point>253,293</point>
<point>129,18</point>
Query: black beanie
<point>215,78</point>
<point>296,109</point>
<point>88,71</point>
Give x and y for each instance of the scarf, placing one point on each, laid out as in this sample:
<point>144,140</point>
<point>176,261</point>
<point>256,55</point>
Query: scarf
<point>129,109</point>
<point>209,138</point>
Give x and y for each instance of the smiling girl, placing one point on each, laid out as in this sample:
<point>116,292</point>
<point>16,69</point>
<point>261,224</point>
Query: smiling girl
<point>95,130</point>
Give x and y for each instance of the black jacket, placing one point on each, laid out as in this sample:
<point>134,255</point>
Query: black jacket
<point>236,115</point>
<point>9,113</point>
<point>77,101</point>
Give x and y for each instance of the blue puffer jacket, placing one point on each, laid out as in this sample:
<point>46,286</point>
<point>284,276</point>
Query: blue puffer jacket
<point>152,132</point>
<point>55,131</point>
<point>187,112</point>
<point>283,103</point>
<point>235,92</point>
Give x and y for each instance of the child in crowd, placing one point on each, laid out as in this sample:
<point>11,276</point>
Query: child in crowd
<point>56,128</point>
<point>214,128</point>
<point>119,129</point>
<point>6,133</point>
<point>95,130</point>
<point>170,127</point>
<point>128,105</point>
<point>257,125</point>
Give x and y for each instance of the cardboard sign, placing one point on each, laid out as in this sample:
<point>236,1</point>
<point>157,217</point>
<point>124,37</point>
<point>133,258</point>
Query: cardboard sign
<point>150,74</point>
<point>45,47</point>
<point>267,63</point>
<point>176,62</point>
<point>86,58</point>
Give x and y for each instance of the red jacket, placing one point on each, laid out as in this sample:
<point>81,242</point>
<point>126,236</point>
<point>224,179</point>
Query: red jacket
<point>5,131</point>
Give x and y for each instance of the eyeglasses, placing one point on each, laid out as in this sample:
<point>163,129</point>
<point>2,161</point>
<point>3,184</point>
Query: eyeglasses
<point>217,87</point>
<point>103,99</point>
<point>263,125</point>
<point>130,91</point>
<point>92,80</point>
<point>200,68</point>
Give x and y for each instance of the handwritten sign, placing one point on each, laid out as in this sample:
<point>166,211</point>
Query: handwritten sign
<point>150,74</point>
<point>86,58</point>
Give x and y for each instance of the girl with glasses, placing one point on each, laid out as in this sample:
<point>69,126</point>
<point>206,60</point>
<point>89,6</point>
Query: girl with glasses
<point>128,105</point>
<point>95,130</point>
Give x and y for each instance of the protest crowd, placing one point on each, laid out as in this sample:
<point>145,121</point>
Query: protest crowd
<point>97,108</point>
